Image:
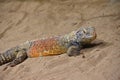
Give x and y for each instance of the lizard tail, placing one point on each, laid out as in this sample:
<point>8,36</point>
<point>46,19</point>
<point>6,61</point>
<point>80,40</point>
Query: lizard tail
<point>7,56</point>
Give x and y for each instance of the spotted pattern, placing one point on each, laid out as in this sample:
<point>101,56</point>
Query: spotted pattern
<point>46,47</point>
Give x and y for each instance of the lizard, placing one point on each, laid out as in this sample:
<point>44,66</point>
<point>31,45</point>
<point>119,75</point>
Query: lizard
<point>70,43</point>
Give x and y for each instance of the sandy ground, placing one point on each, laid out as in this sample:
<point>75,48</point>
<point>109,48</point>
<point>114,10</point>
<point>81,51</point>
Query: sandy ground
<point>22,20</point>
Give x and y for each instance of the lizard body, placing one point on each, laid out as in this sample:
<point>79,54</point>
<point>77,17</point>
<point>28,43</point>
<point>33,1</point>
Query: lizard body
<point>70,43</point>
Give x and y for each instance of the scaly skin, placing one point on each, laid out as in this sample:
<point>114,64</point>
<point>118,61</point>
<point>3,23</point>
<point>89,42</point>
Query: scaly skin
<point>46,47</point>
<point>70,43</point>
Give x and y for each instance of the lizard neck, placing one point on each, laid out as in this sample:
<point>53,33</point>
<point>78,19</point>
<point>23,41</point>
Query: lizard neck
<point>68,38</point>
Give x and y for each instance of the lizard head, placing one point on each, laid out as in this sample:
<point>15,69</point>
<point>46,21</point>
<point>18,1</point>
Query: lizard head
<point>86,34</point>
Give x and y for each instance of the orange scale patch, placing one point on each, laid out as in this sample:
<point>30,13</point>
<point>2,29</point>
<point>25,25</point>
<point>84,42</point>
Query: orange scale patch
<point>45,48</point>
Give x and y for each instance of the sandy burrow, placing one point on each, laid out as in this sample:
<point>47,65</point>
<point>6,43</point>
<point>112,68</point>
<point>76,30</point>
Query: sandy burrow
<point>22,20</point>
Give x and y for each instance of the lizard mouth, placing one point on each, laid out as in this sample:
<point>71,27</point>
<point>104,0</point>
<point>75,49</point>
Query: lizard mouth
<point>94,35</point>
<point>90,39</point>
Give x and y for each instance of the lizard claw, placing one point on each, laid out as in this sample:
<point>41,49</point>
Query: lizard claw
<point>5,68</point>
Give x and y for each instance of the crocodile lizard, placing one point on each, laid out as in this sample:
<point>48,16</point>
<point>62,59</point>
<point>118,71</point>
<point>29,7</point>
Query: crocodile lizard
<point>70,43</point>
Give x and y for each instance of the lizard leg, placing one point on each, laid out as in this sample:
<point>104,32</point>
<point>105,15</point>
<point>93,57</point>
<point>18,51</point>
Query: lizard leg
<point>74,49</point>
<point>20,57</point>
